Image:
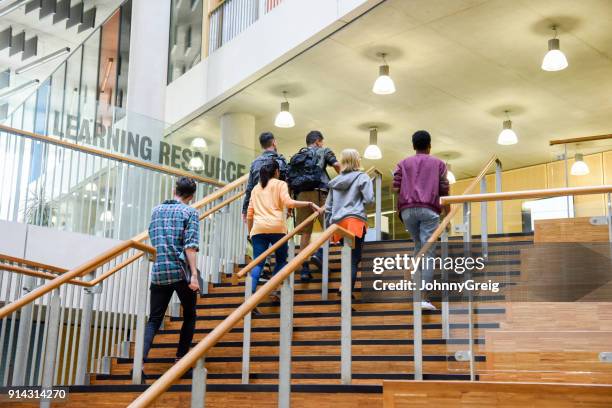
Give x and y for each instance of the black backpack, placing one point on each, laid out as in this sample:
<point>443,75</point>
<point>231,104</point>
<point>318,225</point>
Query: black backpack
<point>305,173</point>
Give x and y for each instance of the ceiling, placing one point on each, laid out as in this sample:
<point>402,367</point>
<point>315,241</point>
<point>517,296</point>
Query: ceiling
<point>457,65</point>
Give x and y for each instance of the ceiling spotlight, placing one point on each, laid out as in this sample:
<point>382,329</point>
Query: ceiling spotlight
<point>372,152</point>
<point>384,84</point>
<point>579,168</point>
<point>449,175</point>
<point>284,119</point>
<point>554,60</point>
<point>507,135</point>
<point>199,143</point>
<point>196,163</point>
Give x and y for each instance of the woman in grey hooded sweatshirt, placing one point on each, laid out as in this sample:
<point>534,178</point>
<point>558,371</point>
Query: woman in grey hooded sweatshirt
<point>349,193</point>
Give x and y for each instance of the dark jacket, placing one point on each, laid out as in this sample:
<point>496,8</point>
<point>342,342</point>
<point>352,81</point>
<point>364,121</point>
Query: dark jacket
<point>254,173</point>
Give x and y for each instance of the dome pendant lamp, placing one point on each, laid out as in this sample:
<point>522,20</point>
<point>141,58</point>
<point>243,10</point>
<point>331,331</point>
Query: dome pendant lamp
<point>507,136</point>
<point>384,85</point>
<point>284,119</point>
<point>554,60</point>
<point>372,152</point>
<point>579,168</point>
<point>450,176</point>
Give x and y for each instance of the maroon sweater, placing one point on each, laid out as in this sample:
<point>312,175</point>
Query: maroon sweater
<point>421,180</point>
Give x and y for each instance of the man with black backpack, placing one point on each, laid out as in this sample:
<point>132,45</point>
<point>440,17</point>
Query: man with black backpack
<point>307,179</point>
<point>268,144</point>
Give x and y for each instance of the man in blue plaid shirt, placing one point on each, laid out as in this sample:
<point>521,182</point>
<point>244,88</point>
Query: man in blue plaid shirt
<point>175,234</point>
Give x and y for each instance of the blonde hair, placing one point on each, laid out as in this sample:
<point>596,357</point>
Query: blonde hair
<point>350,160</point>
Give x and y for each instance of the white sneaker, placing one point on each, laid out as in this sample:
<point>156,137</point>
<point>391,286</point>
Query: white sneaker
<point>427,306</point>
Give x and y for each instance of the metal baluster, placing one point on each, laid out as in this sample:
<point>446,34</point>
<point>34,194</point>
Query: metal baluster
<point>484,237</point>
<point>246,332</point>
<point>417,325</point>
<point>286,335</point>
<point>23,336</point>
<point>85,335</point>
<point>467,235</point>
<point>346,325</point>
<point>325,271</point>
<point>198,385</point>
<point>445,305</point>
<point>499,204</point>
<point>53,322</point>
<point>609,217</point>
<point>140,320</point>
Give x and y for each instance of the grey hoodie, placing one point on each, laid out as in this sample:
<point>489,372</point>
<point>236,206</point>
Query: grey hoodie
<point>349,193</point>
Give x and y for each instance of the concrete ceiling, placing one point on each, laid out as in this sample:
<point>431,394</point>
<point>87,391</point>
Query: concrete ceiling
<point>457,65</point>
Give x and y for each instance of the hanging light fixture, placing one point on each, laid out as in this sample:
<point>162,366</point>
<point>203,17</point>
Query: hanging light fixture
<point>554,60</point>
<point>284,119</point>
<point>196,163</point>
<point>384,84</point>
<point>107,216</point>
<point>91,187</point>
<point>579,168</point>
<point>507,136</point>
<point>199,143</point>
<point>450,176</point>
<point>372,152</point>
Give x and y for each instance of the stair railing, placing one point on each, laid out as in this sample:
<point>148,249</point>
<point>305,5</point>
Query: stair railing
<point>467,199</point>
<point>222,246</point>
<point>196,356</point>
<point>442,234</point>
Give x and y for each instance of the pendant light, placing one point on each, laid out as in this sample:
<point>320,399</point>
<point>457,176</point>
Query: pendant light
<point>107,216</point>
<point>196,164</point>
<point>450,176</point>
<point>554,60</point>
<point>199,143</point>
<point>372,152</point>
<point>579,168</point>
<point>507,136</point>
<point>384,84</point>
<point>284,119</point>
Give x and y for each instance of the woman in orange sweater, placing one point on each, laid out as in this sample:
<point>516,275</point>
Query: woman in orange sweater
<point>266,216</point>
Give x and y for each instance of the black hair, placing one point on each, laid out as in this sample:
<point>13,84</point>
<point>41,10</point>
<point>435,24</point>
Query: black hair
<point>421,140</point>
<point>185,187</point>
<point>313,136</point>
<point>266,139</point>
<point>267,172</point>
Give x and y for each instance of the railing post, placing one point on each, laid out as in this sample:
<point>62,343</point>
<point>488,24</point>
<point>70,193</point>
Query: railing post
<point>23,336</point>
<point>445,305</point>
<point>499,204</point>
<point>84,336</point>
<point>246,332</point>
<point>198,385</point>
<point>378,213</point>
<point>48,374</point>
<point>346,320</point>
<point>484,229</point>
<point>467,235</point>
<point>325,272</point>
<point>417,326</point>
<point>609,217</point>
<point>141,319</point>
<point>286,335</point>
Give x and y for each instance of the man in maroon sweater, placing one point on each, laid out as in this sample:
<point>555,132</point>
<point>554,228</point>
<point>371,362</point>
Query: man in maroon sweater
<point>420,181</point>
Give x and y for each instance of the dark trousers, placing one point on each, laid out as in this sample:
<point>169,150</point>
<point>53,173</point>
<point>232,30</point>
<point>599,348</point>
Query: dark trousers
<point>356,258</point>
<point>261,242</point>
<point>160,297</point>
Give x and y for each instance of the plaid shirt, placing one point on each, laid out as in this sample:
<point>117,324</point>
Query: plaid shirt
<point>174,227</point>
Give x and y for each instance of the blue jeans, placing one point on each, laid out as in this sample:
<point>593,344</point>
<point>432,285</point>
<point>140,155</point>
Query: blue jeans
<point>421,223</point>
<point>261,242</point>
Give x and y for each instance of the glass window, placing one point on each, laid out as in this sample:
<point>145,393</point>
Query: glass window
<point>185,48</point>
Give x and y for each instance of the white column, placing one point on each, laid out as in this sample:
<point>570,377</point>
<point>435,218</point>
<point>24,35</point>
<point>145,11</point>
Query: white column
<point>238,141</point>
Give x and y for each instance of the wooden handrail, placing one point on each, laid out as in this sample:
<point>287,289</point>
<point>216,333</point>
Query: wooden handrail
<point>76,272</point>
<point>109,155</point>
<point>579,139</point>
<point>373,170</point>
<point>438,231</point>
<point>32,264</point>
<point>277,245</point>
<point>521,194</point>
<point>189,360</point>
